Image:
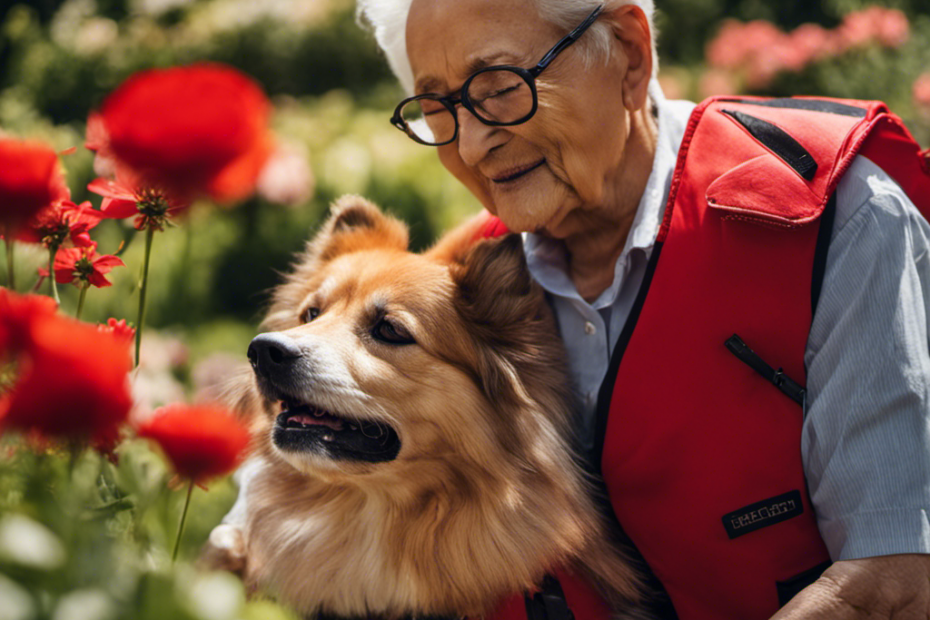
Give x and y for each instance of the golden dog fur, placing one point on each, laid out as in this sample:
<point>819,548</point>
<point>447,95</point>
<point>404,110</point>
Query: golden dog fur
<point>484,497</point>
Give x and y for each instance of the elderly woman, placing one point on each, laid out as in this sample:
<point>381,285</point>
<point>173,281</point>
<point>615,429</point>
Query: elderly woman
<point>575,146</point>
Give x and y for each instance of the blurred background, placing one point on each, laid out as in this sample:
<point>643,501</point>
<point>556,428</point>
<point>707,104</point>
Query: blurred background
<point>333,96</point>
<point>211,273</point>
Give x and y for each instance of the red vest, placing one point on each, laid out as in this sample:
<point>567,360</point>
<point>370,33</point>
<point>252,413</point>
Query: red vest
<point>701,447</point>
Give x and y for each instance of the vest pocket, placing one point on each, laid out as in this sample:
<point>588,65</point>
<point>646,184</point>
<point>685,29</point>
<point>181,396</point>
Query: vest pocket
<point>789,587</point>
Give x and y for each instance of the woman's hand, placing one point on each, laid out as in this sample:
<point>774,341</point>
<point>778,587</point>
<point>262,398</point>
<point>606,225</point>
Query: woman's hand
<point>895,587</point>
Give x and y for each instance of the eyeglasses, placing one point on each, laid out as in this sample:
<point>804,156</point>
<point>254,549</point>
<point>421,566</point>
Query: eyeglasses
<point>498,96</point>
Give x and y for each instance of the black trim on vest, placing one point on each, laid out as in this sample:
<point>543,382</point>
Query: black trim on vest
<point>778,141</point>
<point>549,603</point>
<point>605,395</point>
<point>812,105</point>
<point>824,234</point>
<point>658,603</point>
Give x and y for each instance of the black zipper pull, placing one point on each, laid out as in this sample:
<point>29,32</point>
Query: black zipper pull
<point>777,377</point>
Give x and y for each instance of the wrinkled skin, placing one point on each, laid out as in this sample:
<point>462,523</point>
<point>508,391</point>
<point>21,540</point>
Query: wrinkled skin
<point>893,586</point>
<point>595,138</point>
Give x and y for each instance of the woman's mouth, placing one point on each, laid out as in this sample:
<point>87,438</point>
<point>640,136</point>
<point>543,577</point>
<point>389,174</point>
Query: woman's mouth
<point>515,173</point>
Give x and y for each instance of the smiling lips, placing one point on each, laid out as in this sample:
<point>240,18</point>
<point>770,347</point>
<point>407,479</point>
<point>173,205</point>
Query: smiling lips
<point>516,173</point>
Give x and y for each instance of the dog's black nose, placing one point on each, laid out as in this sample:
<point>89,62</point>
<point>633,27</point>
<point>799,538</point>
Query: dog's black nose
<point>273,352</point>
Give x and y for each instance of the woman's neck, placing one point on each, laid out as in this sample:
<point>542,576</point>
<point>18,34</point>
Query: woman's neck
<point>593,250</point>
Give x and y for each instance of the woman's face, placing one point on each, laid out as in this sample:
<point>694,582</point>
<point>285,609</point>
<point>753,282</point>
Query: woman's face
<point>543,174</point>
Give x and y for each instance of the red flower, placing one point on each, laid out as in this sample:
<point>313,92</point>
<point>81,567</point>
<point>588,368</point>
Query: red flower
<point>201,441</point>
<point>151,207</point>
<point>18,313</point>
<point>72,383</point>
<point>60,221</point>
<point>118,329</point>
<point>84,265</point>
<point>30,179</point>
<point>193,130</point>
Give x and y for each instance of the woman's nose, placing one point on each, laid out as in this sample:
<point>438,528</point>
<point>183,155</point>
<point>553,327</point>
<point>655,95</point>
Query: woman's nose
<point>475,138</point>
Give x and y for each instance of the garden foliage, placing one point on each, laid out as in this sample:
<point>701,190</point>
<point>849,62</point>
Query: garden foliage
<point>89,509</point>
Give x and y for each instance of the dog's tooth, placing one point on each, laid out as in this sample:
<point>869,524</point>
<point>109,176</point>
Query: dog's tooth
<point>328,437</point>
<point>353,427</point>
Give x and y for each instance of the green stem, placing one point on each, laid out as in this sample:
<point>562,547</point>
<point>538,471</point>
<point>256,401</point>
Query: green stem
<point>143,287</point>
<point>11,276</point>
<point>52,251</point>
<point>187,503</point>
<point>81,297</point>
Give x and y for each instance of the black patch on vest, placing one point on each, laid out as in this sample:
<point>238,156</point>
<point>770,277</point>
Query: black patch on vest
<point>824,234</point>
<point>812,105</point>
<point>778,141</point>
<point>763,514</point>
<point>789,588</point>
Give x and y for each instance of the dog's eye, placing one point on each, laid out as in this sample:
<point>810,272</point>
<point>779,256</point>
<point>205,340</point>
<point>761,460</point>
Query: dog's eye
<point>311,314</point>
<point>391,333</point>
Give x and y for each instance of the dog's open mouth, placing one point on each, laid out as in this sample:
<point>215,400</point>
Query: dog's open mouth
<point>305,427</point>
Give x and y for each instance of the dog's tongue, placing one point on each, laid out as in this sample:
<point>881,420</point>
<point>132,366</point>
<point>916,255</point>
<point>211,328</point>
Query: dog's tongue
<point>312,420</point>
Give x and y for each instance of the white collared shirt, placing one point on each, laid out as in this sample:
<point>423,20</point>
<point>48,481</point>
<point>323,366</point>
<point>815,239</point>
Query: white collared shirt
<point>865,443</point>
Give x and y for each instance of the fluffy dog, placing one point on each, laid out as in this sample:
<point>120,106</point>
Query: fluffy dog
<point>413,425</point>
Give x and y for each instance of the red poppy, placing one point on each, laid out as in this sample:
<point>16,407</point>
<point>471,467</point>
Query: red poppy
<point>119,329</point>
<point>17,315</point>
<point>152,208</point>
<point>30,179</point>
<point>201,441</point>
<point>60,221</point>
<point>72,382</point>
<point>201,129</point>
<point>83,265</point>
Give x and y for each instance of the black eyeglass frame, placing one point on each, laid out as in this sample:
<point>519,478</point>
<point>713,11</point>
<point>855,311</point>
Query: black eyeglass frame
<point>529,76</point>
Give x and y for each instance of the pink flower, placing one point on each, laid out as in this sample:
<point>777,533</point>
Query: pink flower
<point>716,82</point>
<point>921,90</point>
<point>813,42</point>
<point>287,178</point>
<point>893,28</point>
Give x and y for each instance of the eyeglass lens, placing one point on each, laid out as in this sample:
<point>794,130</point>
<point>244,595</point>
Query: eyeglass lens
<point>499,96</point>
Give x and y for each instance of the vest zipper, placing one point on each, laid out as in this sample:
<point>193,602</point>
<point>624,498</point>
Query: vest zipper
<point>778,378</point>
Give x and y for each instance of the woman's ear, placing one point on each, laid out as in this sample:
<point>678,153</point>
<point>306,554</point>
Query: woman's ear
<point>632,37</point>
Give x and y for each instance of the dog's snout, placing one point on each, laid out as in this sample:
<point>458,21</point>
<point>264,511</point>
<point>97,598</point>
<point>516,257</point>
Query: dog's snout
<point>271,353</point>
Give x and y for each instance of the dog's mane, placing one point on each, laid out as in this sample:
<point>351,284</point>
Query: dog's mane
<point>468,533</point>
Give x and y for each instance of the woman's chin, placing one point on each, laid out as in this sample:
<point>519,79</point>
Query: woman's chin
<point>532,210</point>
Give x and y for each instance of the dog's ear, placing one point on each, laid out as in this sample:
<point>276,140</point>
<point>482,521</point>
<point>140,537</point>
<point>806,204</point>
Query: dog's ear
<point>494,284</point>
<point>356,224</point>
<point>455,244</point>
<point>518,350</point>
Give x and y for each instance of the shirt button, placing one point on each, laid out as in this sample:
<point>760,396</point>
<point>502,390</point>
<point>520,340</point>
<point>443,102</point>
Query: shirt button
<point>589,328</point>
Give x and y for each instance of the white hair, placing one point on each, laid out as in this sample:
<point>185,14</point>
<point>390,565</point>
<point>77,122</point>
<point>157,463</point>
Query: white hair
<point>388,20</point>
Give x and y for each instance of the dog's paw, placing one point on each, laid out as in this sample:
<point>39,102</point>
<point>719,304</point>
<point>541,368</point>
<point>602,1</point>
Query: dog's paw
<point>225,550</point>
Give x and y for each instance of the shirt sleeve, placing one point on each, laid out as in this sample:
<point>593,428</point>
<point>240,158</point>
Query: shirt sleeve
<point>866,435</point>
